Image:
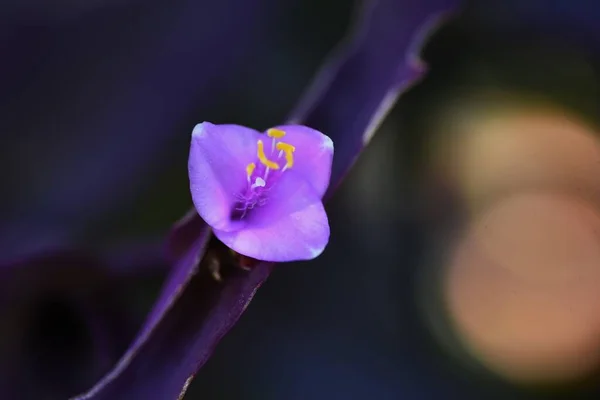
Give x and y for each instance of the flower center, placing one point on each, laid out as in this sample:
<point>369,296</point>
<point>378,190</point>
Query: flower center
<point>261,176</point>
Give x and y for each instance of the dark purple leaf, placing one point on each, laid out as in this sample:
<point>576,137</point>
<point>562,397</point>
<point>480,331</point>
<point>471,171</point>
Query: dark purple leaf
<point>351,95</point>
<point>357,87</point>
<point>169,340</point>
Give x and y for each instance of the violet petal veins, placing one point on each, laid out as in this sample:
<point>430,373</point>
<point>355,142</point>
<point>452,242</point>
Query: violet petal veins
<point>261,193</point>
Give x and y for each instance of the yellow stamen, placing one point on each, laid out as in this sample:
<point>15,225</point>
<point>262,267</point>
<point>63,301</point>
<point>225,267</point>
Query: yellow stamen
<point>288,149</point>
<point>250,169</point>
<point>275,133</point>
<point>263,158</point>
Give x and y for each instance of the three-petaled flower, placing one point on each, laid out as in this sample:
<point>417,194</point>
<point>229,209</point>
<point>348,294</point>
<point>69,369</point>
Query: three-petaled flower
<point>261,193</point>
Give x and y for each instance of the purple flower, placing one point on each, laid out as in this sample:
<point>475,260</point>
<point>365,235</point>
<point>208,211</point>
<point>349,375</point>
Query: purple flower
<point>261,193</point>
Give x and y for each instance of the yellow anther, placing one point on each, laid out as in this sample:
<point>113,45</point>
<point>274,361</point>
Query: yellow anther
<point>275,133</point>
<point>288,149</point>
<point>250,169</point>
<point>263,158</point>
<point>285,147</point>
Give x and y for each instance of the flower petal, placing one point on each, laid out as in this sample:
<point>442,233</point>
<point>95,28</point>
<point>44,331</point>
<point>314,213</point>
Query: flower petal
<point>292,226</point>
<point>219,155</point>
<point>313,156</point>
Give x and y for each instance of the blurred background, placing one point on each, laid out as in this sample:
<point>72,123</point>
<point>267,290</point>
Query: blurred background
<point>464,259</point>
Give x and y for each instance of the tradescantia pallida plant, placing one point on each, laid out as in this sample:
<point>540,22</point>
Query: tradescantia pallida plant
<point>207,291</point>
<point>258,198</point>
